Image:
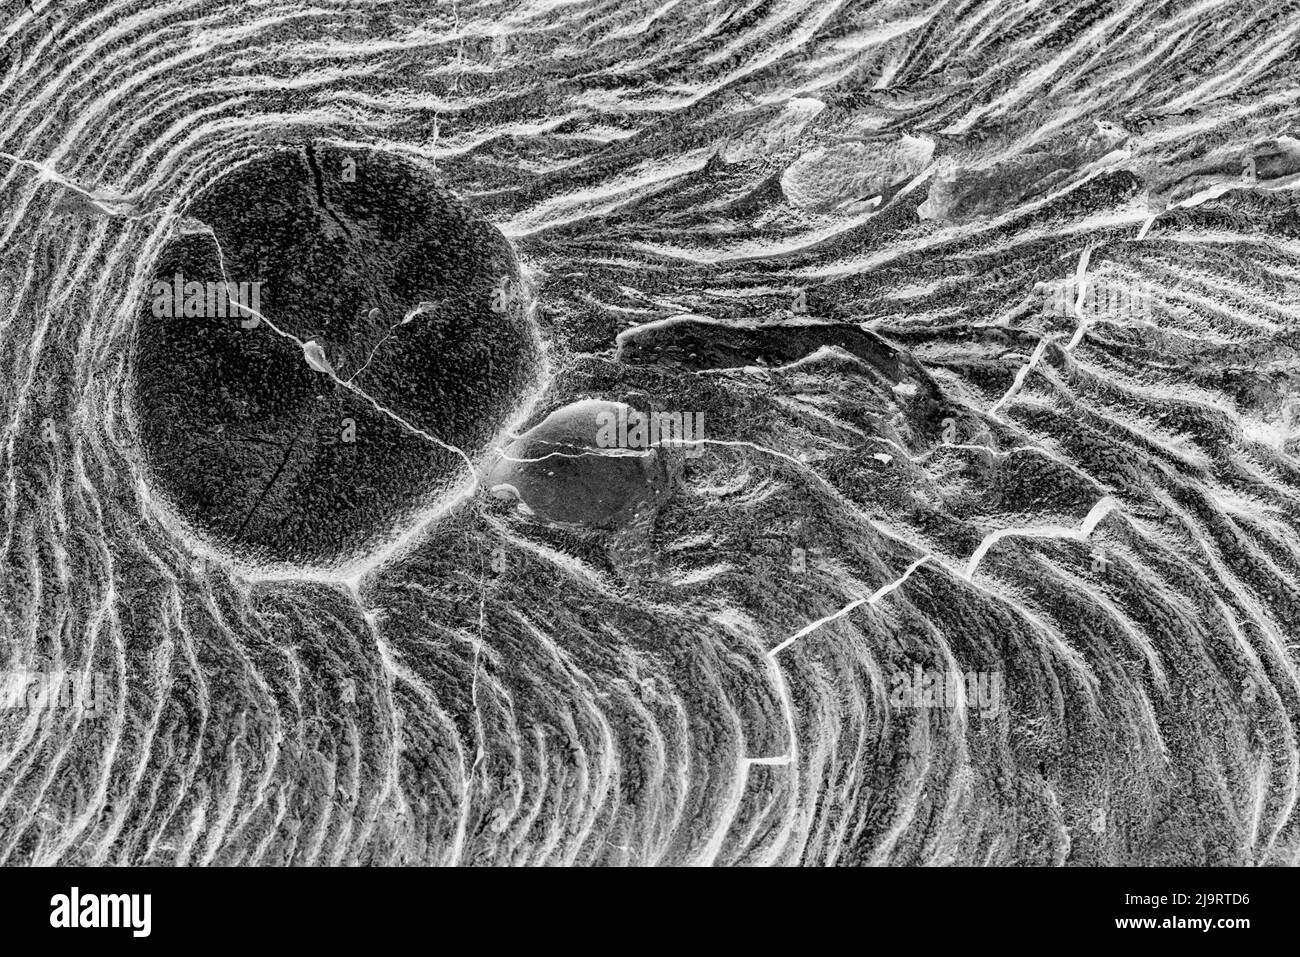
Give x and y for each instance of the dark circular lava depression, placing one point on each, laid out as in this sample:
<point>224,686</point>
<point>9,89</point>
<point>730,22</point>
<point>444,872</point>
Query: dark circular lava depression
<point>363,254</point>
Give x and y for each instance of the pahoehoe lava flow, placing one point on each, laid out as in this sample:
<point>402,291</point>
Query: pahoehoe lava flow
<point>515,433</point>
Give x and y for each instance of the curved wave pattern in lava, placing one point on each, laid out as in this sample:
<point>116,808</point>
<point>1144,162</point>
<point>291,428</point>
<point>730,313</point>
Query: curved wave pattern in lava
<point>794,432</point>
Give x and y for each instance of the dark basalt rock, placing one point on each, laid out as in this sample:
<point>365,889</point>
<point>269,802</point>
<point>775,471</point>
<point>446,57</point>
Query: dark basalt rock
<point>271,457</point>
<point>696,343</point>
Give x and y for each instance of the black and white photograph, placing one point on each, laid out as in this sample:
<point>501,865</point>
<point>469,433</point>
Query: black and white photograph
<point>649,433</point>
